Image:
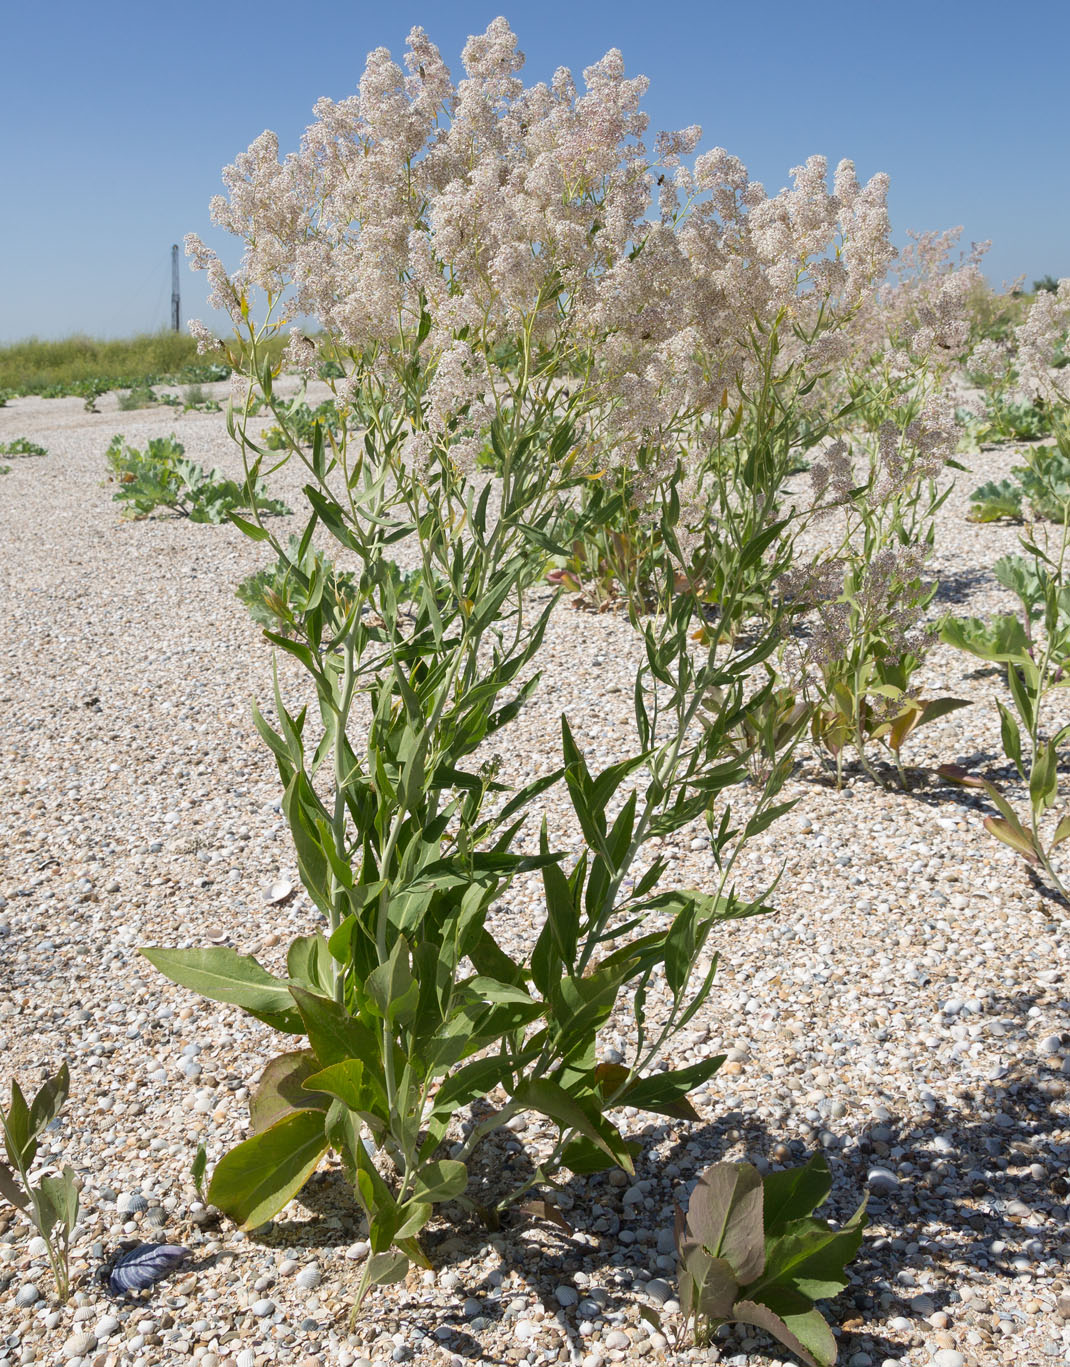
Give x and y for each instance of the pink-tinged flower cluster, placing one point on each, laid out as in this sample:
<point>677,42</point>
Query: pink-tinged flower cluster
<point>496,211</point>
<point>1045,331</point>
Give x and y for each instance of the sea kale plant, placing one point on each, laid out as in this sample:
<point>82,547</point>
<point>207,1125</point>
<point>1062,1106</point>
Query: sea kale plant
<point>162,476</point>
<point>51,1204</point>
<point>479,263</point>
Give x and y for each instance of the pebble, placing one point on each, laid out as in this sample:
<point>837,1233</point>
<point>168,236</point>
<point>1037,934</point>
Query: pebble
<point>882,1179</point>
<point>261,1309</point>
<point>566,1295</point>
<point>948,1357</point>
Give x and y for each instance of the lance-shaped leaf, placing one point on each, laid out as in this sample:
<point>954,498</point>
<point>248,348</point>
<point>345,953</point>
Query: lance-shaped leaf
<point>551,1099</point>
<point>787,1329</point>
<point>795,1193</point>
<point>223,975</point>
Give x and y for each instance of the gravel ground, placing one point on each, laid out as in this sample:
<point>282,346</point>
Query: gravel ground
<point>906,1009</point>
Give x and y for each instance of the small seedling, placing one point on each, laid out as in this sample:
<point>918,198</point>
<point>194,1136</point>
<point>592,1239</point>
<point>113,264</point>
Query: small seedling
<point>197,1169</point>
<point>751,1252</point>
<point>51,1206</point>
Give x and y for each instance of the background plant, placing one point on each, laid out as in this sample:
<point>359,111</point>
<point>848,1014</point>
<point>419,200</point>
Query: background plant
<point>1034,648</point>
<point>861,604</point>
<point>50,1205</point>
<point>21,446</point>
<point>162,477</point>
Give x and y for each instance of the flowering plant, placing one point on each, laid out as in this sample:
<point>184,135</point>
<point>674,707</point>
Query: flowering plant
<point>480,263</point>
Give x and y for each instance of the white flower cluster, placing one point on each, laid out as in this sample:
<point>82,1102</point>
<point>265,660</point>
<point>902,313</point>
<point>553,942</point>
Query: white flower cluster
<point>1039,338</point>
<point>494,211</point>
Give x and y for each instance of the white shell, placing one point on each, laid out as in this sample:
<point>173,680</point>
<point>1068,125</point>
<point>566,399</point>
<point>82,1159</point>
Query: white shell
<point>278,892</point>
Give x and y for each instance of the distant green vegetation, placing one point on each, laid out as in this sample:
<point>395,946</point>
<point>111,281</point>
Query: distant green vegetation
<point>88,366</point>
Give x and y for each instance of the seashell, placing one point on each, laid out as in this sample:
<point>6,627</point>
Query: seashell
<point>144,1266</point>
<point>246,1358</point>
<point>78,1345</point>
<point>279,892</point>
<point>27,1294</point>
<point>132,1202</point>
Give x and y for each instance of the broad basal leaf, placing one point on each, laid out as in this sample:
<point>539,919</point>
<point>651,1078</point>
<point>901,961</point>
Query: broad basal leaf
<point>256,1179</point>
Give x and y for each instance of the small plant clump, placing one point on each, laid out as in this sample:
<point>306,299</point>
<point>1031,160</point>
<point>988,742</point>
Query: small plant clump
<point>751,1252</point>
<point>1042,484</point>
<point>21,446</point>
<point>51,1204</point>
<point>162,477</point>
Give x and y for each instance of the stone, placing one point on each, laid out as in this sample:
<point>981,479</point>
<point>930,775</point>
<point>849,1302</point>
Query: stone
<point>261,1309</point>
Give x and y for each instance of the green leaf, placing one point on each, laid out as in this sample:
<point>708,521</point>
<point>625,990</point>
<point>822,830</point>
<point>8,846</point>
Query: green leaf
<point>810,1256</point>
<point>250,529</point>
<point>1062,830</point>
<point>11,1190</point>
<point>256,1179</point>
<point>795,1193</point>
<point>665,1093</point>
<point>333,1033</point>
<point>18,1138</point>
<point>1011,737</point>
<point>384,1268</point>
<point>583,1157</point>
<point>223,975</point>
<point>1014,836</point>
<point>392,987</point>
<point>708,1286</point>
<point>62,1195</point>
<point>308,963</point>
<point>198,1168</point>
<point>811,1323</point>
<point>551,1099</point>
<point>474,1080</point>
<point>353,1084</point>
<point>49,1101</point>
<point>440,1181</point>
<point>280,1090</point>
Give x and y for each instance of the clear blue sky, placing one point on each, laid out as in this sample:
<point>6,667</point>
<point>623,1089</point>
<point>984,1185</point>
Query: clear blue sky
<point>116,117</point>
